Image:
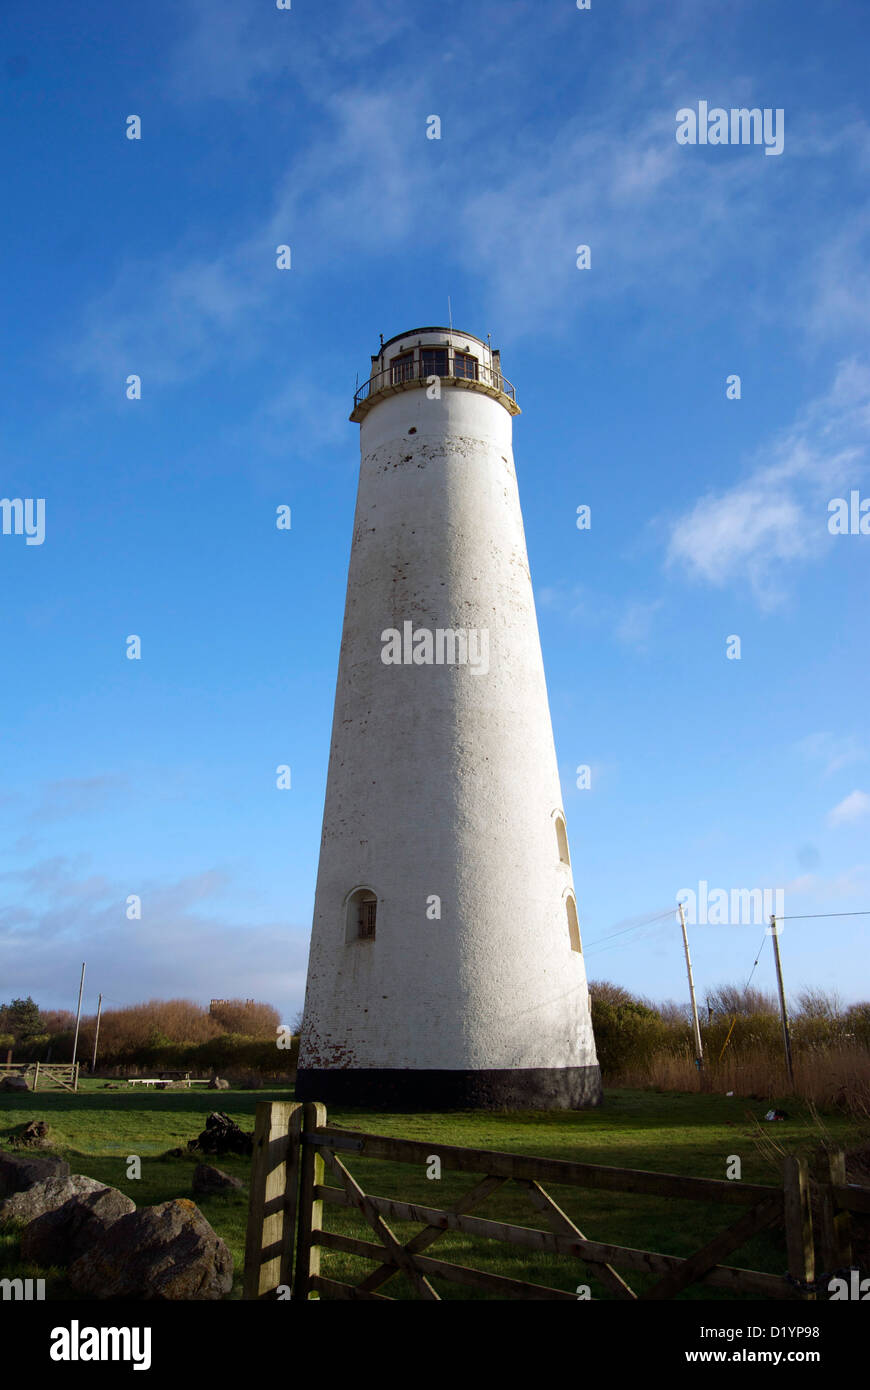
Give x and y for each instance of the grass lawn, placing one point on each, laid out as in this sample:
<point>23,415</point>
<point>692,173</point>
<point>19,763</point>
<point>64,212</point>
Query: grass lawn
<point>96,1130</point>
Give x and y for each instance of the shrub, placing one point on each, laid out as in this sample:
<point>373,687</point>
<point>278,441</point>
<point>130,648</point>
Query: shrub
<point>625,1033</point>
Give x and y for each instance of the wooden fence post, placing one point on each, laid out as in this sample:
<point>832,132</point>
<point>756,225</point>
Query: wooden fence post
<point>836,1239</point>
<point>310,1210</point>
<point>272,1205</point>
<point>798,1222</point>
<point>36,1078</point>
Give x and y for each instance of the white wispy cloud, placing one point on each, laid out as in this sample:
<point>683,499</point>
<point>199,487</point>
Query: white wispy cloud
<point>234,51</point>
<point>508,203</point>
<point>64,914</point>
<point>852,884</point>
<point>77,796</point>
<point>634,628</point>
<point>834,751</point>
<point>167,320</point>
<point>630,621</point>
<point>853,807</point>
<point>305,409</point>
<point>171,318</point>
<point>777,515</point>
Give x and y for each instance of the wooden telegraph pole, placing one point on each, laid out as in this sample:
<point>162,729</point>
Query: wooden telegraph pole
<point>78,1019</point>
<point>786,1036</point>
<point>96,1035</point>
<point>696,1026</point>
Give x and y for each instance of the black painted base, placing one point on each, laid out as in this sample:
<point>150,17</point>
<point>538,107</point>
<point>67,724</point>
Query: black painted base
<point>538,1088</point>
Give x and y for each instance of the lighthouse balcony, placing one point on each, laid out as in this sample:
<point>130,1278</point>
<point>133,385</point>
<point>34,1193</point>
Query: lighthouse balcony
<point>415,369</point>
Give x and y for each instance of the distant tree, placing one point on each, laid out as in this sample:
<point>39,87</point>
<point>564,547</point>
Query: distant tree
<point>22,1018</point>
<point>58,1020</point>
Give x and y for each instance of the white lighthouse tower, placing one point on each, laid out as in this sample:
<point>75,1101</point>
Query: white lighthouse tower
<point>446,967</point>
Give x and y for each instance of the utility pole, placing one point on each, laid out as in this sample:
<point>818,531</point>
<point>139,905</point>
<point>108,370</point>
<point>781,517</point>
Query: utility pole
<point>699,1051</point>
<point>96,1036</point>
<point>786,1036</point>
<point>78,1017</point>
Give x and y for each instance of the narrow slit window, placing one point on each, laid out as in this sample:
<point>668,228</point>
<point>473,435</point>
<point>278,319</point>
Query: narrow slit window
<point>368,911</point>
<point>362,911</point>
<point>562,841</point>
<point>573,925</point>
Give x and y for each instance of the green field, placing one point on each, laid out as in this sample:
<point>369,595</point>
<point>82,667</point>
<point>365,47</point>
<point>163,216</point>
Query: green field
<point>96,1130</point>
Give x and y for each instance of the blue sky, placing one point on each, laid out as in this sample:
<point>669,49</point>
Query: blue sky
<point>157,257</point>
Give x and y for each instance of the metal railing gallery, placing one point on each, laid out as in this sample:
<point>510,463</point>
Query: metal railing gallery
<point>404,370</point>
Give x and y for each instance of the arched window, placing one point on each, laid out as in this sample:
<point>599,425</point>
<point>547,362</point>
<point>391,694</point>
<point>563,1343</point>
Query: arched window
<point>573,923</point>
<point>362,911</point>
<point>562,839</point>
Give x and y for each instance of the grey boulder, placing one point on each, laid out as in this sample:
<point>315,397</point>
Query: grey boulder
<point>167,1252</point>
<point>18,1172</point>
<point>208,1180</point>
<point>44,1197</point>
<point>59,1236</point>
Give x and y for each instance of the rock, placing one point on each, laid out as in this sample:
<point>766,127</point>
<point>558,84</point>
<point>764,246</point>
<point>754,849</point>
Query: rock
<point>59,1236</point>
<point>217,1083</point>
<point>45,1196</point>
<point>34,1135</point>
<point>165,1252</point>
<point>208,1180</point>
<point>17,1173</point>
<point>222,1136</point>
<point>14,1083</point>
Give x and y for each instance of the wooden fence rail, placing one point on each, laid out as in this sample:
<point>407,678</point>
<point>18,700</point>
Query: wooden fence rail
<point>294,1145</point>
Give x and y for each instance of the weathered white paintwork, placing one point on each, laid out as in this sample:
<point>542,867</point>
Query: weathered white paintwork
<point>442,783</point>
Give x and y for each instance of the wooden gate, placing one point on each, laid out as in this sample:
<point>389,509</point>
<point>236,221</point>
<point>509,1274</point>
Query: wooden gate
<point>50,1074</point>
<point>294,1145</point>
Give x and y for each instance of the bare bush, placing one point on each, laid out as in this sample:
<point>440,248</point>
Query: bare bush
<point>740,1000</point>
<point>817,1003</point>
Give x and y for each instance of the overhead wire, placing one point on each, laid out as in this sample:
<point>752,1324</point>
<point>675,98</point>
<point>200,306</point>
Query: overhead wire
<point>636,926</point>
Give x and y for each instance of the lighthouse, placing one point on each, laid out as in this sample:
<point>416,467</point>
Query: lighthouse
<point>446,967</point>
